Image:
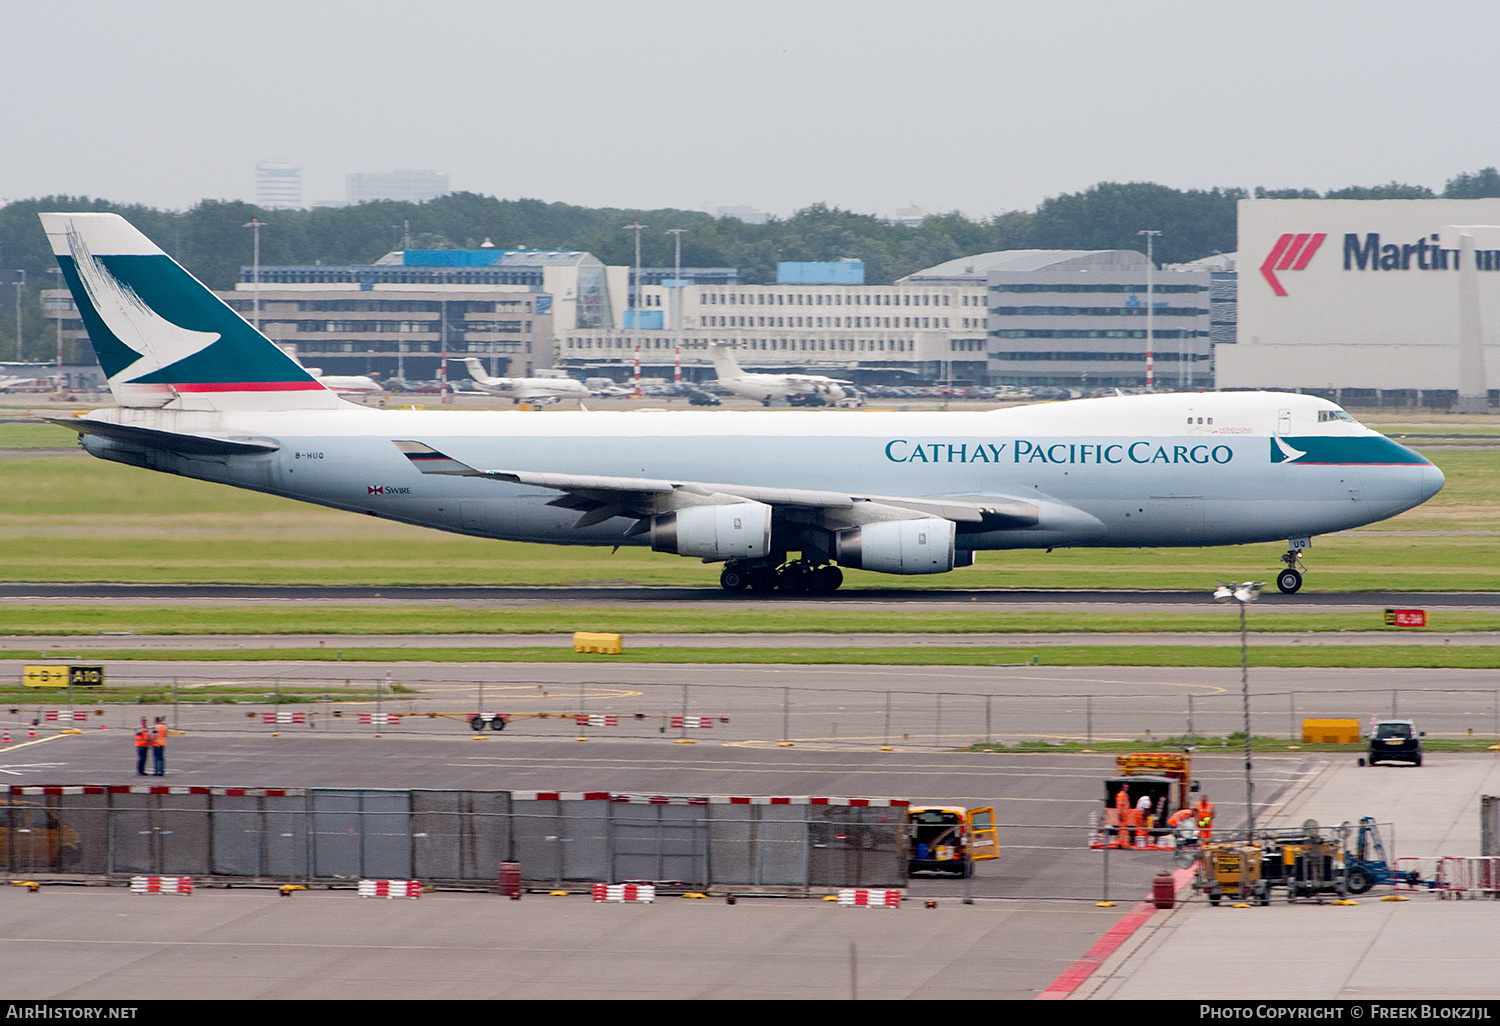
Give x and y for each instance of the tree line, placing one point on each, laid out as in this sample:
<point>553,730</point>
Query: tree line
<point>210,241</point>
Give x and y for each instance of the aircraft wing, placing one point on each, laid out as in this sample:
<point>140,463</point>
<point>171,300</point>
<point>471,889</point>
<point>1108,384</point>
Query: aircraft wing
<point>603,497</point>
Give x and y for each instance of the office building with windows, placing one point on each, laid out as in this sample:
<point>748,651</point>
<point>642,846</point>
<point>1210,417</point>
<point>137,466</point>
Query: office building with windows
<point>278,185</point>
<point>402,186</point>
<point>889,334</point>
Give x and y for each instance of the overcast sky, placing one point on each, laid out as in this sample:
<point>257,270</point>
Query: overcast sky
<point>868,105</point>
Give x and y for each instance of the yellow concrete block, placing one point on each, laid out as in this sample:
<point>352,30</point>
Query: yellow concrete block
<point>1330,732</point>
<point>588,641</point>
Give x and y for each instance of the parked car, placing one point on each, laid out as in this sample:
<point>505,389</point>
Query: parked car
<point>1395,741</point>
<point>700,398</point>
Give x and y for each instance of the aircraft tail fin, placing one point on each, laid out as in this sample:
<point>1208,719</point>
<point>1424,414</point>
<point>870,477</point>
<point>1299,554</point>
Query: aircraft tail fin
<point>725,365</point>
<point>163,339</point>
<point>476,370</point>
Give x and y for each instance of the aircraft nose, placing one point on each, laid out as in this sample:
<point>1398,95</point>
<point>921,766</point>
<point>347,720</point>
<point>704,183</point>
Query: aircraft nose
<point>1432,481</point>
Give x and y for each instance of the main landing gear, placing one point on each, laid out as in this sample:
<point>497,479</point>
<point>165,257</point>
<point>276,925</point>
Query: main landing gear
<point>796,576</point>
<point>1289,581</point>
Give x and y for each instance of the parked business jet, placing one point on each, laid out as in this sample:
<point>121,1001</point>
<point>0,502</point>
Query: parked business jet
<point>201,393</point>
<point>343,384</point>
<point>524,390</point>
<point>795,389</point>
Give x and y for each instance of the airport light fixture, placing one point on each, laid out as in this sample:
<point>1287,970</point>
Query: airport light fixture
<point>1243,595</point>
<point>257,224</point>
<point>635,313</point>
<point>20,285</point>
<point>1150,307</point>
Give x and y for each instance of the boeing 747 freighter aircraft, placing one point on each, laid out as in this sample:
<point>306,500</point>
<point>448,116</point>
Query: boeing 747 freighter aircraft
<point>203,394</point>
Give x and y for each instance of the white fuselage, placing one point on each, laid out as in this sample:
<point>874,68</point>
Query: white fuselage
<point>1185,469</point>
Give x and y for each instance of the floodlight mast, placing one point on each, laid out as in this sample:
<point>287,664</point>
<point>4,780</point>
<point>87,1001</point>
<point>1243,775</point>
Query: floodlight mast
<point>635,314</point>
<point>1243,595</point>
<point>1150,308</point>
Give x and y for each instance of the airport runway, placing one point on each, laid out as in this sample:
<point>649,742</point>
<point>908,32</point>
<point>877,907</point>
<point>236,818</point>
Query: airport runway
<point>819,640</point>
<point>875,598</point>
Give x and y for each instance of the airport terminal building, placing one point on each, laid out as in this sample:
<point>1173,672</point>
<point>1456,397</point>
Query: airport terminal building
<point>1078,318</point>
<point>1360,300</point>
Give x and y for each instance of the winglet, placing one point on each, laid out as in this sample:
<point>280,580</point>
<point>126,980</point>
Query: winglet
<point>429,461</point>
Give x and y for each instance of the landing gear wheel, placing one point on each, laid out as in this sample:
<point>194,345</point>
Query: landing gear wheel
<point>763,579</point>
<point>734,578</point>
<point>1289,581</point>
<point>794,577</point>
<point>825,580</point>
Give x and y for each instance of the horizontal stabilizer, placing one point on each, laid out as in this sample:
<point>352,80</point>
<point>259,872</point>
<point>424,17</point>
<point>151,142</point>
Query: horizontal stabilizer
<point>168,441</point>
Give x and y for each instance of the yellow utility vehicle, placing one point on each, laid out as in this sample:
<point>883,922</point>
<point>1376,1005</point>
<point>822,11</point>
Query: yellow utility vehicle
<point>948,839</point>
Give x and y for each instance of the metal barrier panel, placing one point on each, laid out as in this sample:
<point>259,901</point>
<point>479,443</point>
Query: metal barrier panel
<point>459,835</point>
<point>1489,824</point>
<point>239,837</point>
<point>361,833</point>
<point>857,847</point>
<point>561,840</point>
<point>184,826</point>
<point>137,833</point>
<point>759,845</point>
<point>260,835</point>
<point>659,842</point>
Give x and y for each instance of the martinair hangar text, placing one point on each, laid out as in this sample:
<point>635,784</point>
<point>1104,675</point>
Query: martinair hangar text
<point>900,450</point>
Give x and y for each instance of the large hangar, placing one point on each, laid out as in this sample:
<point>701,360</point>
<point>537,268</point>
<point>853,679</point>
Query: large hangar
<point>1361,295</point>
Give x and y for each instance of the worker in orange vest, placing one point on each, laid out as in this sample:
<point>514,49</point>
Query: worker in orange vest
<point>159,748</point>
<point>1123,813</point>
<point>1143,821</point>
<point>142,747</point>
<point>1204,814</point>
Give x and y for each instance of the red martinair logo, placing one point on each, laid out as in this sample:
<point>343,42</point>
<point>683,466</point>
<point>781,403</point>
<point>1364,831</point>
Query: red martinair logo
<point>1291,253</point>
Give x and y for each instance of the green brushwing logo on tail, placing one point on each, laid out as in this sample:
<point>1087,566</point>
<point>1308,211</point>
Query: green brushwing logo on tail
<point>153,323</point>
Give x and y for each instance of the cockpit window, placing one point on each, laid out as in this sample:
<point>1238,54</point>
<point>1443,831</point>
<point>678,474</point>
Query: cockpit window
<point>1324,416</point>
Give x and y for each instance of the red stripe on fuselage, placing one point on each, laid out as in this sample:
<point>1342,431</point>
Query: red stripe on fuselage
<point>248,386</point>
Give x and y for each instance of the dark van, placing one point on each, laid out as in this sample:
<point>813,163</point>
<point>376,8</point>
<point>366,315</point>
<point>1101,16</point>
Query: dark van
<point>1396,741</point>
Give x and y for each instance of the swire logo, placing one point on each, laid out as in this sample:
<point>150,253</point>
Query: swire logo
<point>1291,253</point>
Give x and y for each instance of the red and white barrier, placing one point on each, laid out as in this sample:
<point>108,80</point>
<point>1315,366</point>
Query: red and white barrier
<point>381,719</point>
<point>1475,876</point>
<point>716,799</point>
<point>642,893</point>
<point>596,720</point>
<point>65,715</point>
<point>283,716</point>
<point>869,897</point>
<point>390,889</point>
<point>161,885</point>
<point>234,792</point>
<point>692,721</point>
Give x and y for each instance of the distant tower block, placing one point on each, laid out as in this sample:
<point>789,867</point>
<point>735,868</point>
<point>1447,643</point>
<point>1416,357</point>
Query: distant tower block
<point>278,185</point>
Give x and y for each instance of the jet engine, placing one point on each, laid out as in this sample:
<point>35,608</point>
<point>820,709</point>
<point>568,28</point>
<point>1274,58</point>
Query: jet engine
<point>738,530</point>
<point>922,546</point>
